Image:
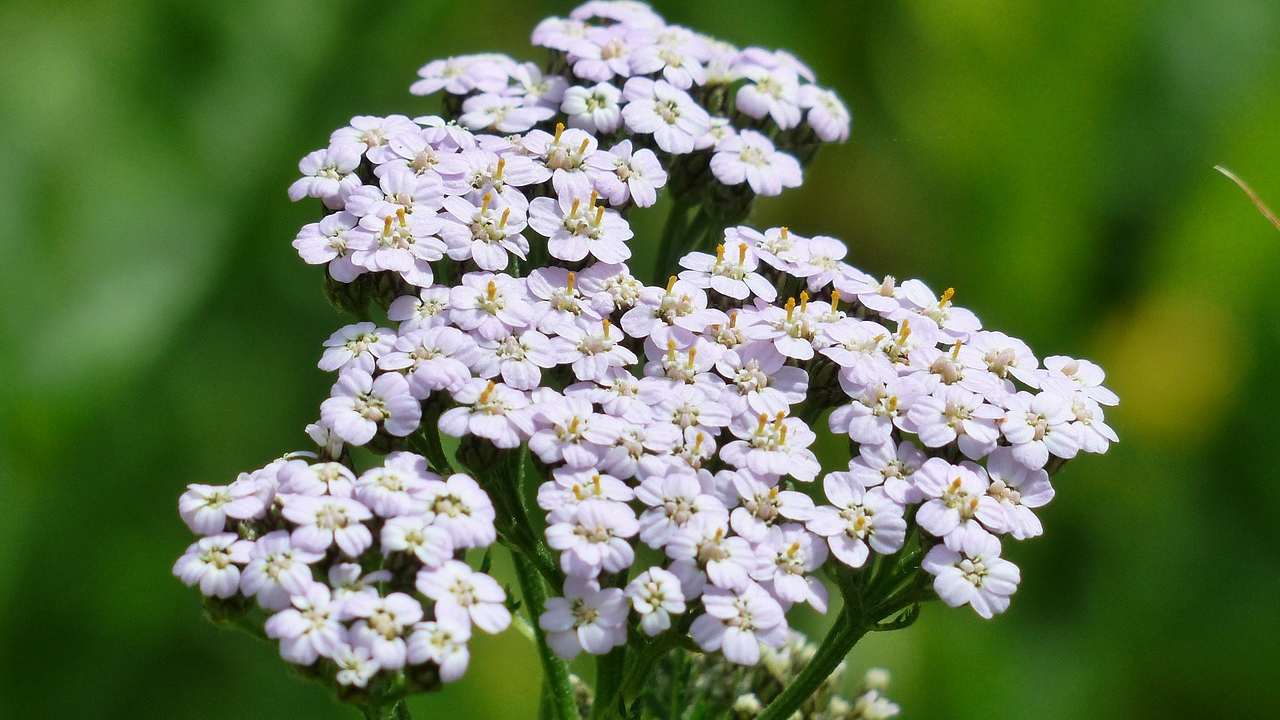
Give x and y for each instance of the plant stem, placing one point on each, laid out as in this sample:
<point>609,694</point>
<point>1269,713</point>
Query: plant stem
<point>608,682</point>
<point>672,231</point>
<point>555,670</point>
<point>843,636</point>
<point>395,710</point>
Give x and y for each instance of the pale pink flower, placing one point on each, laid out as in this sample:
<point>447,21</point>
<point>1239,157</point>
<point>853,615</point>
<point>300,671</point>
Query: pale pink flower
<point>360,404</point>
<point>751,158</point>
<point>213,563</point>
<point>587,618</point>
<point>324,521</point>
<point>310,628</point>
<point>738,622</point>
<point>465,596</point>
<point>968,570</point>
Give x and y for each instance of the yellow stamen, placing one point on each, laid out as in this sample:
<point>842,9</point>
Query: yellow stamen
<point>782,435</point>
<point>573,425</point>
<point>804,300</point>
<point>742,253</point>
<point>733,319</point>
<point>955,351</point>
<point>777,419</point>
<point>582,149</point>
<point>595,483</point>
<point>792,549</point>
<point>697,442</point>
<point>604,323</point>
<point>559,132</point>
<point>946,297</point>
<point>386,225</point>
<point>764,420</point>
<point>791,308</point>
<point>835,301</point>
<point>904,332</point>
<point>773,492</point>
<point>720,252</point>
<point>573,209</point>
<point>599,215</point>
<point>671,350</point>
<point>893,403</point>
<point>502,165</point>
<point>488,390</point>
<point>671,282</point>
<point>484,202</point>
<point>784,232</point>
<point>577,492</point>
<point>492,290</point>
<point>568,283</point>
<point>506,215</point>
<point>400,216</point>
<point>693,355</point>
<point>719,534</point>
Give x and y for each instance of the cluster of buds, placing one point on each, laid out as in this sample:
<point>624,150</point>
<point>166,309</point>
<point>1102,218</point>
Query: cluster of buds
<point>643,450</point>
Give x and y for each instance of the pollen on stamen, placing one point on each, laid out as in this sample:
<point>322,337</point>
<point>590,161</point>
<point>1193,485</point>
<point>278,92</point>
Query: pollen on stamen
<point>506,215</point>
<point>720,252</point>
<point>599,215</point>
<point>605,324</point>
<point>573,209</point>
<point>582,149</point>
<point>835,300</point>
<point>955,350</point>
<point>764,420</point>
<point>488,390</point>
<point>491,290</point>
<point>742,253</point>
<point>502,166</point>
<point>569,280</point>
<point>559,132</point>
<point>804,299</point>
<point>386,225</point>
<point>400,216</point>
<point>671,283</point>
<point>904,332</point>
<point>484,202</point>
<point>946,297</point>
<point>784,232</point>
<point>791,308</point>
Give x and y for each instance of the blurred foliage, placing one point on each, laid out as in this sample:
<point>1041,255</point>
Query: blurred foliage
<point>1052,161</point>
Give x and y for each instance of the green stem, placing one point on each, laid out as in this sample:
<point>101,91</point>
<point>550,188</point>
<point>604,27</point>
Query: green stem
<point>609,669</point>
<point>555,670</point>
<point>638,674</point>
<point>843,636</point>
<point>395,710</point>
<point>672,240</point>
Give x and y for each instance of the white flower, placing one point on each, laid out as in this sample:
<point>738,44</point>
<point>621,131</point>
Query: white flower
<point>572,432</point>
<point>594,109</point>
<point>890,465</point>
<point>777,447</point>
<point>328,241</point>
<point>738,622</point>
<point>359,405</point>
<point>858,520</point>
<point>595,539</point>
<point>460,75</point>
<point>356,666</point>
<point>954,323</point>
<point>592,348</point>
<point>358,345</point>
<point>298,477</point>
<point>587,618</point>
<point>600,53</point>
<point>213,563</point>
<point>325,521</point>
<point>772,92</point>
<point>968,570</point>
<point>433,358</point>
<point>788,556</point>
<point>484,234</point>
<point>205,508</point>
<point>1019,490</point>
<point>489,410</point>
<point>575,229</point>
<point>704,545</point>
<point>534,88</point>
<point>827,115</point>
<point>956,499</point>
<point>492,305</point>
<point>383,623</point>
<point>328,174</point>
<point>677,53</point>
<point>412,534</point>
<point>734,276</point>
<point>950,415</point>
<point>761,382</point>
<point>443,643</point>
<point>349,579</point>
<point>277,570</point>
<point>1037,425</point>
<point>1079,375</point>
<point>461,508</point>
<point>373,134</point>
<point>763,504</point>
<point>465,596</point>
<point>674,500</point>
<point>751,158</point>
<point>656,596</point>
<point>491,111</point>
<point>877,408</point>
<point>310,629</point>
<point>668,113</point>
<point>621,174</point>
<point>568,489</point>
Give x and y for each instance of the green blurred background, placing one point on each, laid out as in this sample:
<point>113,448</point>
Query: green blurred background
<point>1052,161</point>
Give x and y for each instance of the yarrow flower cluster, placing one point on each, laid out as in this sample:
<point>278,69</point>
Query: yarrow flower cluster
<point>645,450</point>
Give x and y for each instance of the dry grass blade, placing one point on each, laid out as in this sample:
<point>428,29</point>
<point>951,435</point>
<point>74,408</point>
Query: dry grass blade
<point>1253,196</point>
